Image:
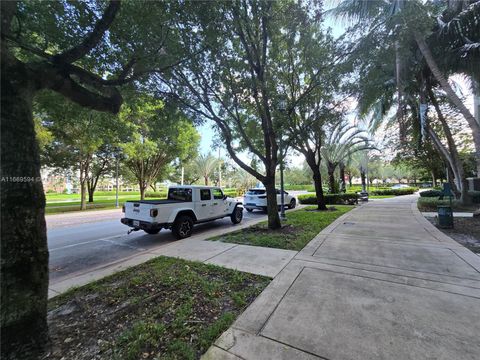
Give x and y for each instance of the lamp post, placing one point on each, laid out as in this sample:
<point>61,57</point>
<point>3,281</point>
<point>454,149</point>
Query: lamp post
<point>282,106</point>
<point>117,155</point>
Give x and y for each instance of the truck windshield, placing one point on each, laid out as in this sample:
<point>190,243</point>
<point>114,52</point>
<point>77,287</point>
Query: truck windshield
<point>180,194</point>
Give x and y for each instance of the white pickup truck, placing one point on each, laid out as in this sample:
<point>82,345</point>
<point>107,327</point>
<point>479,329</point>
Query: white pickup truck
<point>184,207</point>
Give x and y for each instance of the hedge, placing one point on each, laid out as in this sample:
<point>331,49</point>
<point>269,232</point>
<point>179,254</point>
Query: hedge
<point>330,199</point>
<point>475,195</point>
<point>431,193</point>
<point>394,192</point>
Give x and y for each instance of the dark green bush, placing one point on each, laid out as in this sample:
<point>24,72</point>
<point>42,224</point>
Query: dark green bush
<point>475,196</point>
<point>330,199</point>
<point>394,192</point>
<point>431,193</point>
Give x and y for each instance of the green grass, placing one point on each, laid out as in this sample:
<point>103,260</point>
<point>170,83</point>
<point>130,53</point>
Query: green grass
<point>61,203</point>
<point>301,227</point>
<point>164,309</point>
<point>380,196</point>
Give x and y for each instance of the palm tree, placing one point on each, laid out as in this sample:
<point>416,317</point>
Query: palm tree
<point>206,165</point>
<point>448,39</point>
<point>454,35</point>
<point>339,144</point>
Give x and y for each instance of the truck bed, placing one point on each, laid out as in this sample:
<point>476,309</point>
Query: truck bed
<point>156,202</point>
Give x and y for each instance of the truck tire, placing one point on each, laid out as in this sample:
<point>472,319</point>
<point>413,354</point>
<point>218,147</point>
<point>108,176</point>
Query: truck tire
<point>293,203</point>
<point>152,231</point>
<point>249,210</point>
<point>182,227</point>
<point>237,215</point>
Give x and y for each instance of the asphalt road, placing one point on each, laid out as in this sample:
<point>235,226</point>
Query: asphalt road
<point>78,242</point>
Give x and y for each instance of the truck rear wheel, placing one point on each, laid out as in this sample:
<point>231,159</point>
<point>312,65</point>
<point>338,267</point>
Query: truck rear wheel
<point>182,227</point>
<point>237,215</point>
<point>152,231</point>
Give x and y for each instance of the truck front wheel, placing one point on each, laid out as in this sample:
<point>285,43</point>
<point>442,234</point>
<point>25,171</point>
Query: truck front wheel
<point>237,215</point>
<point>182,227</point>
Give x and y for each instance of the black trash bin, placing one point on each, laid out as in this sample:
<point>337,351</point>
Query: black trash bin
<point>445,216</point>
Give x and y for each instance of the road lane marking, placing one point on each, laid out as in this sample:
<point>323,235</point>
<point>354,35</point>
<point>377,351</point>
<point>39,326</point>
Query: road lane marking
<point>85,242</point>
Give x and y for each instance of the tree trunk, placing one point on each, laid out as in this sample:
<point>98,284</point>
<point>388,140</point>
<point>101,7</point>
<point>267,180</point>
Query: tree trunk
<point>272,205</point>
<point>363,178</point>
<point>317,179</point>
<point>90,189</point>
<point>434,180</point>
<point>83,201</point>
<point>24,252</point>
<point>455,161</point>
<point>400,96</point>
<point>474,125</point>
<point>342,178</point>
<point>142,190</point>
<point>331,178</point>
<point>206,180</point>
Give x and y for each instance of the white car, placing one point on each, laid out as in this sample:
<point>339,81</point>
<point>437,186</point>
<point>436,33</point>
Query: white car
<point>184,207</point>
<point>257,199</point>
<point>400,186</point>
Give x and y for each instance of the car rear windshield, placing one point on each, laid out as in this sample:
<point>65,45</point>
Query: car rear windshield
<point>256,192</point>
<point>180,194</point>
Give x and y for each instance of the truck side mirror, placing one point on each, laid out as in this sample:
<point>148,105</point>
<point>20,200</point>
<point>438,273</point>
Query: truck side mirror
<point>225,197</point>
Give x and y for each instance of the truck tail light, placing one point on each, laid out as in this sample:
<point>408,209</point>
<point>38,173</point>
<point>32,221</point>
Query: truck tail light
<point>153,212</point>
<point>123,208</point>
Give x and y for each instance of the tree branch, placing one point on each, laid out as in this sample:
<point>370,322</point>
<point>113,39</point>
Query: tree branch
<point>92,39</point>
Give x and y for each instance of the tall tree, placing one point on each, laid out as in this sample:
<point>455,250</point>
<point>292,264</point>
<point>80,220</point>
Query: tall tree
<point>206,165</point>
<point>82,51</point>
<point>82,139</point>
<point>232,83</point>
<point>308,72</point>
<point>161,134</point>
<point>341,141</point>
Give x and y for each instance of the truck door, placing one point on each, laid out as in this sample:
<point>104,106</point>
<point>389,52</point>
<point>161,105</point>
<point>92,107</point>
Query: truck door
<point>218,203</point>
<point>203,207</point>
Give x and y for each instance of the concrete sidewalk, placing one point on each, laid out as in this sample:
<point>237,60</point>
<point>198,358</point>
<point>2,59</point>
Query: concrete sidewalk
<point>379,283</point>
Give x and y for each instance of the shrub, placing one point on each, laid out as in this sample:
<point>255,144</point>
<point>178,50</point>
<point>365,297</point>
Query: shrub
<point>475,196</point>
<point>431,203</point>
<point>431,193</point>
<point>394,192</point>
<point>330,199</point>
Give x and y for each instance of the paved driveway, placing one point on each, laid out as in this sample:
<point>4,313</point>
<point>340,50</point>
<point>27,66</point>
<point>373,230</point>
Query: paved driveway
<point>379,283</point>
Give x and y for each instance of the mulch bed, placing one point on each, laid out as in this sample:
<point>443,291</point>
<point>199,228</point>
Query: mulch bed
<point>466,231</point>
<point>163,309</point>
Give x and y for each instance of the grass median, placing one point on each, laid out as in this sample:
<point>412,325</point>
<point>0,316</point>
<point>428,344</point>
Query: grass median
<point>300,227</point>
<point>163,309</point>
